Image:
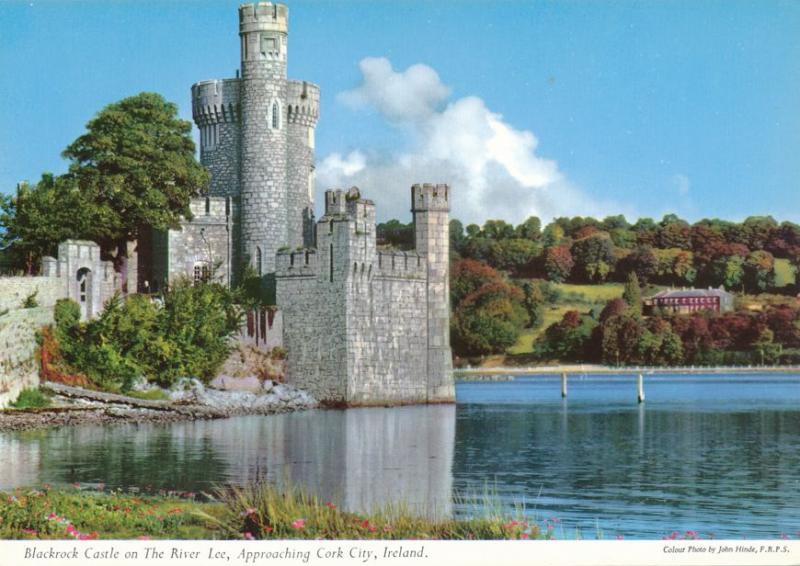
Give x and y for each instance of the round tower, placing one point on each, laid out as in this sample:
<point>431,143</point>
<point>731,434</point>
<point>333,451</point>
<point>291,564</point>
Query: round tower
<point>215,109</point>
<point>263,30</point>
<point>302,113</point>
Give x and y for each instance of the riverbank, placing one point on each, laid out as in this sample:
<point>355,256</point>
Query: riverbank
<point>256,512</point>
<point>582,369</point>
<point>78,406</point>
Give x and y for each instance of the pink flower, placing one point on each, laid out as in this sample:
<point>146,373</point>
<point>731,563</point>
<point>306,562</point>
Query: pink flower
<point>52,516</point>
<point>249,511</point>
<point>30,532</point>
<point>524,536</point>
<point>620,537</point>
<point>249,536</point>
<point>784,536</point>
<point>330,505</point>
<point>298,523</point>
<point>143,537</point>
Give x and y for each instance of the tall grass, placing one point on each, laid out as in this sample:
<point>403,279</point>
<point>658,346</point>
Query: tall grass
<point>263,511</point>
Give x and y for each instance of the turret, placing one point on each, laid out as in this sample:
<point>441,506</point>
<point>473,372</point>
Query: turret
<point>430,205</point>
<point>263,30</point>
<point>302,112</point>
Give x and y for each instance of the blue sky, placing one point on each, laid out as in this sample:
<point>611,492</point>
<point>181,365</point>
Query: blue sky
<point>550,108</point>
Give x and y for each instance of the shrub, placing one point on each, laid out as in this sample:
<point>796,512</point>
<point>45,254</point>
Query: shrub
<point>185,335</point>
<point>31,399</point>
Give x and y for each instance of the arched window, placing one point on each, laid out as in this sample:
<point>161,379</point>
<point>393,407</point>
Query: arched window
<point>276,115</point>
<point>259,265</point>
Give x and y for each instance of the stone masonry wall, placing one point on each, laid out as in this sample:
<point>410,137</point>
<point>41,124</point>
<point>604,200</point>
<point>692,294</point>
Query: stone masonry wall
<point>18,364</point>
<point>206,241</point>
<point>14,291</point>
<point>302,113</point>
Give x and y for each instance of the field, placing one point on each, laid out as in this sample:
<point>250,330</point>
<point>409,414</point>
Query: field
<point>573,297</point>
<point>784,273</point>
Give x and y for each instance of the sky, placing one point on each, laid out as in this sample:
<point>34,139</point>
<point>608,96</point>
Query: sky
<point>548,108</point>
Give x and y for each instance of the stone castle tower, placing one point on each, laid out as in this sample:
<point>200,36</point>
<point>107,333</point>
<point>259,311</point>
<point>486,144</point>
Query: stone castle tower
<point>361,325</point>
<point>257,141</point>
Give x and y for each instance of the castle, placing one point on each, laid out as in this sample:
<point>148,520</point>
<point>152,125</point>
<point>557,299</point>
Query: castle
<point>361,326</point>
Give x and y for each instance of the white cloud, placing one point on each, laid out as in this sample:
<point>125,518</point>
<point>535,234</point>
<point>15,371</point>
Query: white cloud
<point>493,168</point>
<point>413,94</point>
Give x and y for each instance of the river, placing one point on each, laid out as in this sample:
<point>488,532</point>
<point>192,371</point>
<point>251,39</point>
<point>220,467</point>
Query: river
<point>719,455</point>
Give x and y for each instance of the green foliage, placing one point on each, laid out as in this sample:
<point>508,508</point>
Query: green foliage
<point>74,514</point>
<point>488,315</point>
<point>136,165</point>
<point>558,263</point>
<point>254,290</point>
<point>187,335</point>
<point>38,217</point>
<point>594,257</point>
<point>533,302</point>
<point>133,168</point>
<point>395,234</point>
<point>30,301</point>
<point>633,292</point>
<point>31,399</point>
<point>566,340</point>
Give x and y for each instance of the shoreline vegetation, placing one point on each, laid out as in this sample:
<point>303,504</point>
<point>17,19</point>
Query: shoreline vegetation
<point>262,511</point>
<point>259,511</point>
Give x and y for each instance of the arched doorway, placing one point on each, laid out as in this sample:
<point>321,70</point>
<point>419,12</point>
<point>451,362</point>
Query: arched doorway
<point>84,299</point>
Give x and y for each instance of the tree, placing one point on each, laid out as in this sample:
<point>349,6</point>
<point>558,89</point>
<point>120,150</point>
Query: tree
<point>557,263</point>
<point>136,167</point>
<point>759,271</point>
<point>497,230</point>
<point>397,234</point>
<point>566,340</point>
<point>642,261</point>
<point>533,302</point>
<point>39,217</point>
<point>457,237</point>
<point>531,229</point>
<point>594,256</point>
<point>633,293</point>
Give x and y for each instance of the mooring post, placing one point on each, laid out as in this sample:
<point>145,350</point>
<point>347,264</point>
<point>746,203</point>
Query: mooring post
<point>564,384</point>
<point>640,388</point>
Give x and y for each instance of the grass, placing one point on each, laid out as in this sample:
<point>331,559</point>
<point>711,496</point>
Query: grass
<point>784,273</point>
<point>257,512</point>
<point>573,297</point>
<point>72,513</point>
<point>149,395</point>
<point>31,399</point>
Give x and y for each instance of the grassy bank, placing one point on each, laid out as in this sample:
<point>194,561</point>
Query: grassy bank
<point>257,512</point>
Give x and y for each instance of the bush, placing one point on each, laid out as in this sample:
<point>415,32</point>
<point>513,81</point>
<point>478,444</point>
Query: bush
<point>31,399</point>
<point>187,334</point>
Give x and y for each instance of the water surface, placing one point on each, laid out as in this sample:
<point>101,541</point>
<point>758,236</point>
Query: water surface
<point>714,454</point>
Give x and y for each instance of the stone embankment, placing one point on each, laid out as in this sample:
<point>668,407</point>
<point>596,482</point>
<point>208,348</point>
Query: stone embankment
<point>190,400</point>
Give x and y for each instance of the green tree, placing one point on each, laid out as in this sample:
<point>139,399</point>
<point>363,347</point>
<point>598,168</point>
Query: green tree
<point>136,167</point>
<point>633,292</point>
<point>759,271</point>
<point>531,229</point>
<point>533,302</point>
<point>38,217</point>
<point>557,263</point>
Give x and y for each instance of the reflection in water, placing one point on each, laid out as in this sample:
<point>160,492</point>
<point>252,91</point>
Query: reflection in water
<point>713,454</point>
<point>361,458</point>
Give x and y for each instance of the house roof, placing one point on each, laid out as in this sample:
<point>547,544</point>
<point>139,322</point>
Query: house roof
<point>681,293</point>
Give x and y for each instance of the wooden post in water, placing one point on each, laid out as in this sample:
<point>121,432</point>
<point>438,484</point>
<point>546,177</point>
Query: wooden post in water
<point>640,388</point>
<point>563,385</point>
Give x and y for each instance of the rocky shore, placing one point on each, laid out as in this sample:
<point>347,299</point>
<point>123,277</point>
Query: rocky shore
<point>189,400</point>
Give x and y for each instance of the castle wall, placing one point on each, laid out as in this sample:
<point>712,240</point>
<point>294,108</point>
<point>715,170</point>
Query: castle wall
<point>18,364</point>
<point>302,112</point>
<point>203,246</point>
<point>357,330</point>
<point>14,291</point>
<point>215,108</point>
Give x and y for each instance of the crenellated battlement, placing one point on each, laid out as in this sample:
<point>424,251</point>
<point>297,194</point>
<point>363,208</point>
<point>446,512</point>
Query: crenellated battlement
<point>215,101</point>
<point>297,263</point>
<point>429,196</point>
<point>216,207</point>
<point>405,265</point>
<point>302,103</point>
<point>263,16</point>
